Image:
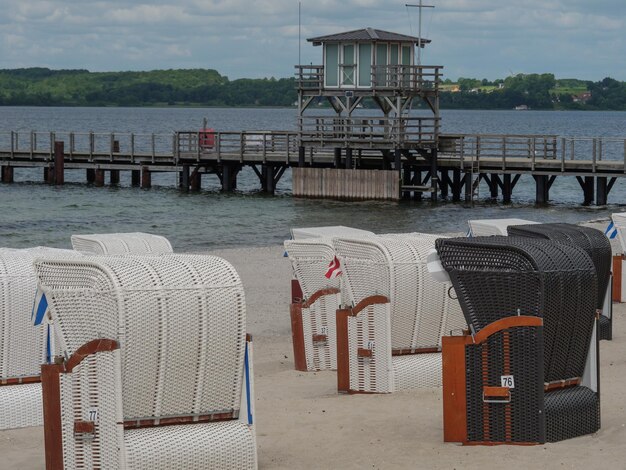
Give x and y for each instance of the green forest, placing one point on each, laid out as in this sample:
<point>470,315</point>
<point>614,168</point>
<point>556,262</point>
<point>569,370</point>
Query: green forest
<point>206,87</point>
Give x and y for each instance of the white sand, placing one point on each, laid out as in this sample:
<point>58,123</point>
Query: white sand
<point>303,423</point>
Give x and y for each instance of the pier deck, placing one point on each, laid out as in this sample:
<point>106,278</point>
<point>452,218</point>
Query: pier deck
<point>462,162</point>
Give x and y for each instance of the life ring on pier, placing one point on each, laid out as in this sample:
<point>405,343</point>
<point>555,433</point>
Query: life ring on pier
<point>206,138</point>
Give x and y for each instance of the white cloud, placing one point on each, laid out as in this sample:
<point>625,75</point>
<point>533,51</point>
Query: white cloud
<point>240,38</point>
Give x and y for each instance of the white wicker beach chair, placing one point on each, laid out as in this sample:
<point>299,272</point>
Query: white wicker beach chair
<point>23,347</point>
<point>155,370</point>
<point>488,227</point>
<point>329,232</point>
<point>315,300</point>
<point>391,337</point>
<point>121,243</point>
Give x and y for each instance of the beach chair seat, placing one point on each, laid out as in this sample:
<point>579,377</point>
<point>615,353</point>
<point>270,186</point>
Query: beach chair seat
<point>526,371</point>
<point>154,370</point>
<point>394,314</point>
<point>596,245</point>
<point>121,243</point>
<point>489,227</point>
<point>23,347</point>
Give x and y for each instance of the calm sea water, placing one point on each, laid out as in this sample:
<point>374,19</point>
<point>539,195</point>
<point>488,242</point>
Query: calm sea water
<point>32,213</point>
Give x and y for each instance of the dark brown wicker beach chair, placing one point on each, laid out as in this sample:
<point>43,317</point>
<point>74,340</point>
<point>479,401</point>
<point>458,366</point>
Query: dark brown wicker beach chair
<point>596,245</point>
<point>526,371</point>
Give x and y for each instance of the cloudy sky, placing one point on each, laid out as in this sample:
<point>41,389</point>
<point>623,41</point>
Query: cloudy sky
<point>259,38</point>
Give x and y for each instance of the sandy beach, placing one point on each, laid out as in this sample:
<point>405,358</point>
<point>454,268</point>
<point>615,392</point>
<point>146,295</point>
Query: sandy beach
<point>303,423</point>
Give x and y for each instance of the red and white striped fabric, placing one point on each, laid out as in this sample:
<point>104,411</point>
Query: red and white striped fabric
<point>334,269</point>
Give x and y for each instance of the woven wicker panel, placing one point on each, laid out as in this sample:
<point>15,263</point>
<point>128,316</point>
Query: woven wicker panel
<point>180,320</point>
<point>320,319</point>
<point>310,259</point>
<point>395,266</point>
<point>121,243</point>
<point>417,371</point>
<point>22,346</point>
<point>91,387</point>
<point>516,352</point>
<point>571,412</point>
<point>489,227</point>
<point>20,406</point>
<point>593,241</point>
<point>225,445</point>
<point>497,276</point>
<point>369,330</point>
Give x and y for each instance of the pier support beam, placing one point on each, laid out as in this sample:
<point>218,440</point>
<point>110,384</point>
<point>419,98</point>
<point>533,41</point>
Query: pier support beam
<point>602,192</point>
<point>406,181</point>
<point>90,175</point>
<point>397,160</point>
<point>229,177</point>
<point>456,185</point>
<point>184,179</point>
<point>114,177</point>
<point>587,185</point>
<point>507,189</point>
<point>195,180</point>
<point>493,185</point>
<point>444,183</point>
<point>468,187</point>
<point>417,181</point>
<point>542,189</point>
<point>135,177</point>
<point>433,174</point>
<point>99,179</point>
<point>146,178</point>
<point>301,155</point>
<point>348,158</point>
<point>337,157</point>
<point>7,174</point>
<point>58,176</point>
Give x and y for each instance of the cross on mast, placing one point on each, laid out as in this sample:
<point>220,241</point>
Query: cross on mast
<point>420,6</point>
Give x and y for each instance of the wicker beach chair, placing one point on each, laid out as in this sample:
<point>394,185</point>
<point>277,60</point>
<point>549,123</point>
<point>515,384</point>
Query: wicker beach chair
<point>488,227</point>
<point>23,347</point>
<point>315,300</point>
<point>596,245</point>
<point>390,337</point>
<point>155,365</point>
<point>121,243</point>
<point>526,371</point>
<point>315,297</point>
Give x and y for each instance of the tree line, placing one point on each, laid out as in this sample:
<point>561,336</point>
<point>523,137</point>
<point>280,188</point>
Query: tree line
<point>206,87</point>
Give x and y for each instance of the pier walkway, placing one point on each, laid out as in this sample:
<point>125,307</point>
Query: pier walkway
<point>462,161</point>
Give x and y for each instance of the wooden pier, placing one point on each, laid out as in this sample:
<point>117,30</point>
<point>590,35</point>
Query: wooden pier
<point>463,161</point>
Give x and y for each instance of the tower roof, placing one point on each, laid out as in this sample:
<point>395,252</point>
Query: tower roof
<point>367,35</point>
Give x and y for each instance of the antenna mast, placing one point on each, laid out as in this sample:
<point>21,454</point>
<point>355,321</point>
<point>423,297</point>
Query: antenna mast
<point>299,33</point>
<point>420,6</point>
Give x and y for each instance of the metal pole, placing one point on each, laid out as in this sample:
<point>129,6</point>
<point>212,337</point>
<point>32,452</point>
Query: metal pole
<point>420,6</point>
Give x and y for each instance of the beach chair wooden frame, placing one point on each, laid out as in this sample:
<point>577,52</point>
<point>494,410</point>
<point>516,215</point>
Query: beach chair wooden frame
<point>155,368</point>
<point>121,243</point>
<point>23,347</point>
<point>389,331</point>
<point>526,371</point>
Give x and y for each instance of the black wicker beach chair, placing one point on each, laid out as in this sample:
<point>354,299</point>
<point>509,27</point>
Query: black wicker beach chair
<point>596,245</point>
<point>526,371</point>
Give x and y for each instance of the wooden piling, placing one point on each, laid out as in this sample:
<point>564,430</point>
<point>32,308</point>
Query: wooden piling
<point>99,178</point>
<point>195,180</point>
<point>59,163</point>
<point>146,178</point>
<point>493,186</point>
<point>397,159</point>
<point>542,189</point>
<point>348,158</point>
<point>417,181</point>
<point>337,155</point>
<point>269,179</point>
<point>456,185</point>
<point>135,177</point>
<point>433,174</point>
<point>7,174</point>
<point>588,190</point>
<point>90,175</point>
<point>184,179</point>
<point>507,188</point>
<point>601,191</point>
<point>301,156</point>
<point>114,177</point>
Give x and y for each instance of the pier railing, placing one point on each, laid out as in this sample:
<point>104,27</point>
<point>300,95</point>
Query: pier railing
<point>40,145</point>
<point>266,144</point>
<point>368,132</point>
<point>513,151</point>
<point>415,78</point>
